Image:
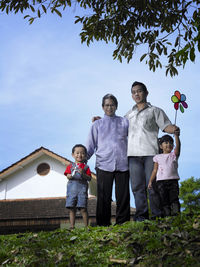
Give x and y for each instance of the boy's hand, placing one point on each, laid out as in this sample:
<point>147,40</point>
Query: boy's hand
<point>81,171</point>
<point>69,176</point>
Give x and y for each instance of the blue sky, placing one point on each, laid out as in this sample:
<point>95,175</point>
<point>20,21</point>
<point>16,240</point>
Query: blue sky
<point>52,85</point>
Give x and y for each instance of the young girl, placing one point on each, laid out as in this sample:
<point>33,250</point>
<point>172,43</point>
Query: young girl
<point>78,174</point>
<point>166,173</point>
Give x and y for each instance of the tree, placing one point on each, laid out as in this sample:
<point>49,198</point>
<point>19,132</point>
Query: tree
<point>169,30</point>
<point>190,195</point>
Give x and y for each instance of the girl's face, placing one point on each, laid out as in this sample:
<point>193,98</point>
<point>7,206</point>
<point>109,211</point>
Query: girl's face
<point>79,154</point>
<point>166,147</point>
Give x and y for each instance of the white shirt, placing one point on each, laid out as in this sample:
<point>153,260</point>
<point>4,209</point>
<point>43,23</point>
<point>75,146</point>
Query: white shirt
<point>143,131</point>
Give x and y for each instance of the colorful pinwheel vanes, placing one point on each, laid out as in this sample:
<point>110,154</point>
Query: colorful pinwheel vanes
<point>179,101</point>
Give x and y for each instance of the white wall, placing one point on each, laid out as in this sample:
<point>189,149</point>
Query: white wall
<point>26,183</point>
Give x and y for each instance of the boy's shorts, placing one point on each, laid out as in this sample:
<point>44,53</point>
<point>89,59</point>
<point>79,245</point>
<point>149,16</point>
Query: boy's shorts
<point>77,194</point>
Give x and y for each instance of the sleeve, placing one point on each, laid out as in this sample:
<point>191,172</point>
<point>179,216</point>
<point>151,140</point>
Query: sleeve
<point>126,123</point>
<point>173,155</point>
<point>161,118</point>
<point>155,158</point>
<point>88,172</point>
<point>91,143</point>
<point>68,170</point>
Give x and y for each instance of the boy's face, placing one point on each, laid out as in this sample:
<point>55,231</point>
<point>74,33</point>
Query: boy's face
<point>79,154</point>
<point>109,107</point>
<point>139,95</point>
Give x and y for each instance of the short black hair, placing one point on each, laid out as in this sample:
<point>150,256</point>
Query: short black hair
<point>165,138</point>
<point>110,96</point>
<point>79,145</point>
<point>142,85</point>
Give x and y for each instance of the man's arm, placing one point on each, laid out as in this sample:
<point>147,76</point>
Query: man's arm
<point>91,143</point>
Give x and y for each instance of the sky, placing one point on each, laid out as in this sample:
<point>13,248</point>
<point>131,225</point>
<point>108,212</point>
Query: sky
<point>51,86</point>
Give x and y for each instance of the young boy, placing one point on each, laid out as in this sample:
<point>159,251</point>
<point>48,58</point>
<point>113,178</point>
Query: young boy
<point>78,174</point>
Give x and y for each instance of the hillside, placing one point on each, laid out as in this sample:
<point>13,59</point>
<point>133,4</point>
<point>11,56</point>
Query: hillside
<point>171,241</point>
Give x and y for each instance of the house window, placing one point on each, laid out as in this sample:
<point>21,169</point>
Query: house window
<point>43,169</point>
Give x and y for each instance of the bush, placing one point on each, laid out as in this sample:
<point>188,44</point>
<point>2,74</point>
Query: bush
<point>190,195</point>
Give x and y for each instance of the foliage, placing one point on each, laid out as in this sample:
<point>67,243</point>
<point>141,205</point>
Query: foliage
<point>149,243</point>
<point>190,195</point>
<point>169,30</point>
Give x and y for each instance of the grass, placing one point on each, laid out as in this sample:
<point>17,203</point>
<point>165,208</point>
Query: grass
<point>173,241</point>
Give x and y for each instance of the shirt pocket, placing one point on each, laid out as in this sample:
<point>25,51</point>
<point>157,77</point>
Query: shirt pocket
<point>149,123</point>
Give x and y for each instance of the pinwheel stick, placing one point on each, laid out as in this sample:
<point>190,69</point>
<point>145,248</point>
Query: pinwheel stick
<point>175,117</point>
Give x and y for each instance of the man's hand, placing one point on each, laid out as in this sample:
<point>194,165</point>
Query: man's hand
<point>96,118</point>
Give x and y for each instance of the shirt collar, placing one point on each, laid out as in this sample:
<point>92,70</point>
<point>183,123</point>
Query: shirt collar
<point>109,117</point>
<point>148,104</point>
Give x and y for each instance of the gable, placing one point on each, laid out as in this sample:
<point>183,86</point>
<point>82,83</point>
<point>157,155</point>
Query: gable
<point>38,175</point>
<point>29,158</point>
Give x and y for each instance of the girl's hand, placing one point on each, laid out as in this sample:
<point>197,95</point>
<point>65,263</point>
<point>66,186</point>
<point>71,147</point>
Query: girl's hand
<point>150,185</point>
<point>177,131</point>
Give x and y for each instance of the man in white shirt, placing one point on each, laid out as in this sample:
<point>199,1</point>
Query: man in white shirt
<point>145,121</point>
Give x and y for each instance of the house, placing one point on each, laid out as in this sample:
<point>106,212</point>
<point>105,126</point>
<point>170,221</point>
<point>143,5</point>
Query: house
<point>38,175</point>
<point>33,192</point>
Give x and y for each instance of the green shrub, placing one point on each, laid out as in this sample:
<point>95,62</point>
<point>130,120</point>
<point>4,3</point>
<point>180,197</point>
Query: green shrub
<point>190,195</point>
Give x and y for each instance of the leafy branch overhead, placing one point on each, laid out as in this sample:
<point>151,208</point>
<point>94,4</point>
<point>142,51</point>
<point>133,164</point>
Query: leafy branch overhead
<point>169,30</point>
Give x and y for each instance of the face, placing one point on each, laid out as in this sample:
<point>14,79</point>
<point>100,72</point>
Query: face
<point>79,154</point>
<point>138,95</point>
<point>109,107</point>
<point>166,147</point>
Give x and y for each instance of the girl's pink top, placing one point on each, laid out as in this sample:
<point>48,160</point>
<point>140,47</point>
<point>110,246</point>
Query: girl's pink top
<point>167,166</point>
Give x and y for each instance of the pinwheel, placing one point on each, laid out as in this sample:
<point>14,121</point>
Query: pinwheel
<point>179,102</point>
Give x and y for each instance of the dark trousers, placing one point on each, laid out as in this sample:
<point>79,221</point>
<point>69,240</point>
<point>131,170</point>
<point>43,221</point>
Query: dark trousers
<point>104,196</point>
<point>169,191</point>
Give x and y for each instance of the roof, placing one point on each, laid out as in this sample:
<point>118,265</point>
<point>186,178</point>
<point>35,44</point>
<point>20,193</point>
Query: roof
<point>31,157</point>
<point>43,208</point>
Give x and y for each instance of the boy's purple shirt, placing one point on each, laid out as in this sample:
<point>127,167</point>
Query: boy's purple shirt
<point>108,140</point>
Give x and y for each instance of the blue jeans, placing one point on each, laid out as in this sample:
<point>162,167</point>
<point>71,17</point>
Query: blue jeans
<point>140,169</point>
<point>77,194</point>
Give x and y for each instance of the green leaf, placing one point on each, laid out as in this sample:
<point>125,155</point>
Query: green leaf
<point>142,57</point>
<point>69,2</point>
<point>57,12</point>
<point>31,20</point>
<point>32,8</point>
<point>44,9</point>
<point>192,54</point>
<point>73,238</point>
<point>177,41</point>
